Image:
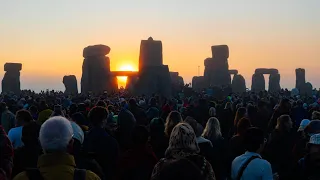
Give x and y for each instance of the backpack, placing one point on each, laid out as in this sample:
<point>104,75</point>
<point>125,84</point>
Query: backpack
<point>34,174</point>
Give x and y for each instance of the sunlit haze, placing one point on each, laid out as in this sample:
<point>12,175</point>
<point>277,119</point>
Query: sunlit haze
<point>123,79</point>
<point>48,37</point>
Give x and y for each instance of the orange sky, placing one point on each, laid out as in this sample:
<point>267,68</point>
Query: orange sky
<point>48,39</point>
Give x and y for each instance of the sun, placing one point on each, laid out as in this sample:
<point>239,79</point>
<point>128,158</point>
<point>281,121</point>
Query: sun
<point>122,80</point>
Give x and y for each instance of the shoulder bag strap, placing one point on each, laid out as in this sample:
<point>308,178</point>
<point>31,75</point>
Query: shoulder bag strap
<point>244,166</point>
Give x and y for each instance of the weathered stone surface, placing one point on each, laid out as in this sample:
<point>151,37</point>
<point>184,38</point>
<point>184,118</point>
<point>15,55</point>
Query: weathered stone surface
<point>274,83</point>
<point>154,79</point>
<point>12,67</point>
<point>216,72</point>
<point>238,84</point>
<point>198,83</point>
<point>300,78</point>
<point>233,71</point>
<point>150,53</point>
<point>176,81</point>
<point>306,89</point>
<point>266,71</point>
<point>71,84</point>
<point>96,50</point>
<point>96,76</point>
<point>258,83</point>
<point>220,52</point>
<point>11,79</point>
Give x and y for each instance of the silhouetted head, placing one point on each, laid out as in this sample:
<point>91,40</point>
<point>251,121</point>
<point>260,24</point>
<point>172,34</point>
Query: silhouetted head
<point>132,103</point>
<point>193,123</point>
<point>243,125</point>
<point>23,117</point>
<point>172,120</point>
<point>315,115</point>
<point>3,106</point>
<point>30,133</point>
<point>241,112</point>
<point>101,103</point>
<point>140,136</point>
<point>254,139</point>
<point>153,102</point>
<point>284,123</point>
<point>98,116</point>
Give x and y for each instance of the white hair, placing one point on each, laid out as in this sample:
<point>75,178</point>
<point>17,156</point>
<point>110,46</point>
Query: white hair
<point>55,134</point>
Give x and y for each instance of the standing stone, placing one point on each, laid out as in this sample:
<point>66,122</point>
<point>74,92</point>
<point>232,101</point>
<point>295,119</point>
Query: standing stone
<point>154,77</point>
<point>274,83</point>
<point>177,82</point>
<point>258,83</point>
<point>71,84</point>
<point>216,71</point>
<point>238,84</point>
<point>198,83</point>
<point>150,53</point>
<point>96,76</point>
<point>300,78</point>
<point>11,79</point>
<point>306,89</point>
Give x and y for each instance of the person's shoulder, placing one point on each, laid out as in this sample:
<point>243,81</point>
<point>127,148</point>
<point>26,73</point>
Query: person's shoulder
<point>263,162</point>
<point>21,176</point>
<point>91,175</point>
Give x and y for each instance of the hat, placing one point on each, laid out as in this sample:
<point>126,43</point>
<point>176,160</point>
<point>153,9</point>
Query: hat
<point>304,123</point>
<point>315,139</point>
<point>313,127</point>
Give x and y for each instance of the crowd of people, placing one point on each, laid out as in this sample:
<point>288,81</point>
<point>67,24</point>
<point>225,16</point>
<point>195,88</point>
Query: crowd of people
<point>120,137</point>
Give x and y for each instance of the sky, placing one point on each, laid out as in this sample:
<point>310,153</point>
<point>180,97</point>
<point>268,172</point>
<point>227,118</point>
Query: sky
<point>48,37</point>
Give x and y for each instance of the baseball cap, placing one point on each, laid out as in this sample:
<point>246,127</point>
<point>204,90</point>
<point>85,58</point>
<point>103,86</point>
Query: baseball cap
<point>304,123</point>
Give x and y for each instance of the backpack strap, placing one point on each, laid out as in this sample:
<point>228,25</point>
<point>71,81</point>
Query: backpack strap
<point>79,174</point>
<point>244,166</point>
<point>34,174</point>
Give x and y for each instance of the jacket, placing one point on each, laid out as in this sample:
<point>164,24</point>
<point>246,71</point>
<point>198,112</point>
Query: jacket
<point>57,166</point>
<point>7,120</point>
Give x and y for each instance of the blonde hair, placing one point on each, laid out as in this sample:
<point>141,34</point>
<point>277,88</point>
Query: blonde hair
<point>212,130</point>
<point>172,120</point>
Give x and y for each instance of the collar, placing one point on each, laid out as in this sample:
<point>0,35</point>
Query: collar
<point>247,153</point>
<point>54,159</point>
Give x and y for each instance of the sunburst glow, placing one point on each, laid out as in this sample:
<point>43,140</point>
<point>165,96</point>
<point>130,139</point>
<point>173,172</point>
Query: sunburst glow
<point>122,80</point>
